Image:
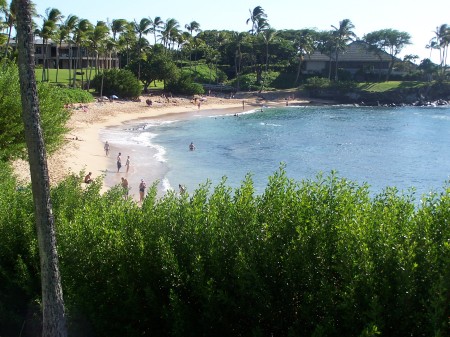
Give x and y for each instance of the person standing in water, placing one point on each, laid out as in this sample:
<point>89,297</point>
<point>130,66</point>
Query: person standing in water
<point>119,162</point>
<point>127,163</point>
<point>106,147</point>
<point>125,187</point>
<point>142,187</point>
<point>192,146</point>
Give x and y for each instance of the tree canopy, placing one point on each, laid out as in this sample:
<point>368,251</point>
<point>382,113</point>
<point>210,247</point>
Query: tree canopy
<point>53,115</point>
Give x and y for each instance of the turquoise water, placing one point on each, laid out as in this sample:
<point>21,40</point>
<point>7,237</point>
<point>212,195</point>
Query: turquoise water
<point>402,147</point>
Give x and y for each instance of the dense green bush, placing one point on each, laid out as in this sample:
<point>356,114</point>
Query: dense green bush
<point>19,260</point>
<point>313,258</point>
<point>52,113</point>
<point>72,95</point>
<point>184,84</point>
<point>119,82</point>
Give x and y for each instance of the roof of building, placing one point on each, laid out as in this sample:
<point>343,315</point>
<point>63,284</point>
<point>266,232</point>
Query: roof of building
<point>356,51</point>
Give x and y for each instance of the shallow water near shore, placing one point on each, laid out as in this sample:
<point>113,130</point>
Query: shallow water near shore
<point>402,147</point>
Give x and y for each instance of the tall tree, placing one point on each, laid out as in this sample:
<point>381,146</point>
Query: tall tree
<point>64,35</point>
<point>304,44</point>
<point>441,42</point>
<point>341,35</point>
<point>156,23</point>
<point>258,19</point>
<point>10,20</point>
<point>141,28</point>
<point>47,32</point>
<point>81,32</point>
<point>170,32</point>
<point>237,40</point>
<point>390,41</point>
<point>268,35</point>
<point>194,26</point>
<point>53,314</point>
<point>118,26</point>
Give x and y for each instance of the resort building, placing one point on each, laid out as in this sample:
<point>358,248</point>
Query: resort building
<point>356,59</point>
<point>70,56</point>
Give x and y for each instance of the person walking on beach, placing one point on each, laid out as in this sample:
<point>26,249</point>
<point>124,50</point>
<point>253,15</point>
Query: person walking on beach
<point>119,162</point>
<point>125,187</point>
<point>106,147</point>
<point>142,187</point>
<point>127,163</point>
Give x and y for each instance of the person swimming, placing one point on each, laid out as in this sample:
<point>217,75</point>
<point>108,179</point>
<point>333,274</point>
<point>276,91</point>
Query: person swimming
<point>192,146</point>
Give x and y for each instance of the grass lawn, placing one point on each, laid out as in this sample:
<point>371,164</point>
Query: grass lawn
<point>391,85</point>
<point>63,77</point>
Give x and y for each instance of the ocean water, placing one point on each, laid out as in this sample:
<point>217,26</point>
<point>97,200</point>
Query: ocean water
<point>405,147</point>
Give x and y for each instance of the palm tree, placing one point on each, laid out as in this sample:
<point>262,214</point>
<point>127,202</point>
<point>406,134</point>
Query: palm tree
<point>64,34</point>
<point>194,26</point>
<point>127,38</point>
<point>49,27</point>
<point>170,32</point>
<point>156,23</point>
<point>237,41</point>
<point>141,28</point>
<point>80,37</point>
<point>258,18</point>
<point>268,35</point>
<point>97,39</point>
<point>442,41</point>
<point>341,36</point>
<point>305,45</point>
<point>54,319</point>
<point>118,26</point>
<point>10,19</point>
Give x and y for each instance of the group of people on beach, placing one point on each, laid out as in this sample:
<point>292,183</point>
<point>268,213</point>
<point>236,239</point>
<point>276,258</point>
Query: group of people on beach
<point>124,183</point>
<point>119,162</point>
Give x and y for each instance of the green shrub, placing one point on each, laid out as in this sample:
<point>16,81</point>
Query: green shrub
<point>72,95</point>
<point>318,257</point>
<point>19,260</point>
<point>52,113</point>
<point>185,85</point>
<point>317,83</point>
<point>119,82</point>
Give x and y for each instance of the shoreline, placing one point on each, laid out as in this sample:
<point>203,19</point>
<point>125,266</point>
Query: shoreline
<point>83,149</point>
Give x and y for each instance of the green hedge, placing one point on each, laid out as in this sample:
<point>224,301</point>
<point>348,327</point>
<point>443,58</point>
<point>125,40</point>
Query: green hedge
<point>313,258</point>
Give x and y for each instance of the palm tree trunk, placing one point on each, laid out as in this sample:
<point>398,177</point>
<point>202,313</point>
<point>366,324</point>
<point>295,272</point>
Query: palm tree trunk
<point>57,60</point>
<point>336,65</point>
<point>299,69</point>
<point>70,62</point>
<point>54,319</point>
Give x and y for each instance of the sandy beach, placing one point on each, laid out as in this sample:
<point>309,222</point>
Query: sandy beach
<point>83,150</point>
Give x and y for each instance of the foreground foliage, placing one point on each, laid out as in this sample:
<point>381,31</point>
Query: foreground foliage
<point>312,258</point>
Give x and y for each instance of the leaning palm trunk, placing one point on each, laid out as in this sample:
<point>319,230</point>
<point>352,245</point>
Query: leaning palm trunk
<point>54,320</point>
<point>299,69</point>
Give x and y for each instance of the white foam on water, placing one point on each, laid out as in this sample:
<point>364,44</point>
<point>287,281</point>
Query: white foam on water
<point>166,185</point>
